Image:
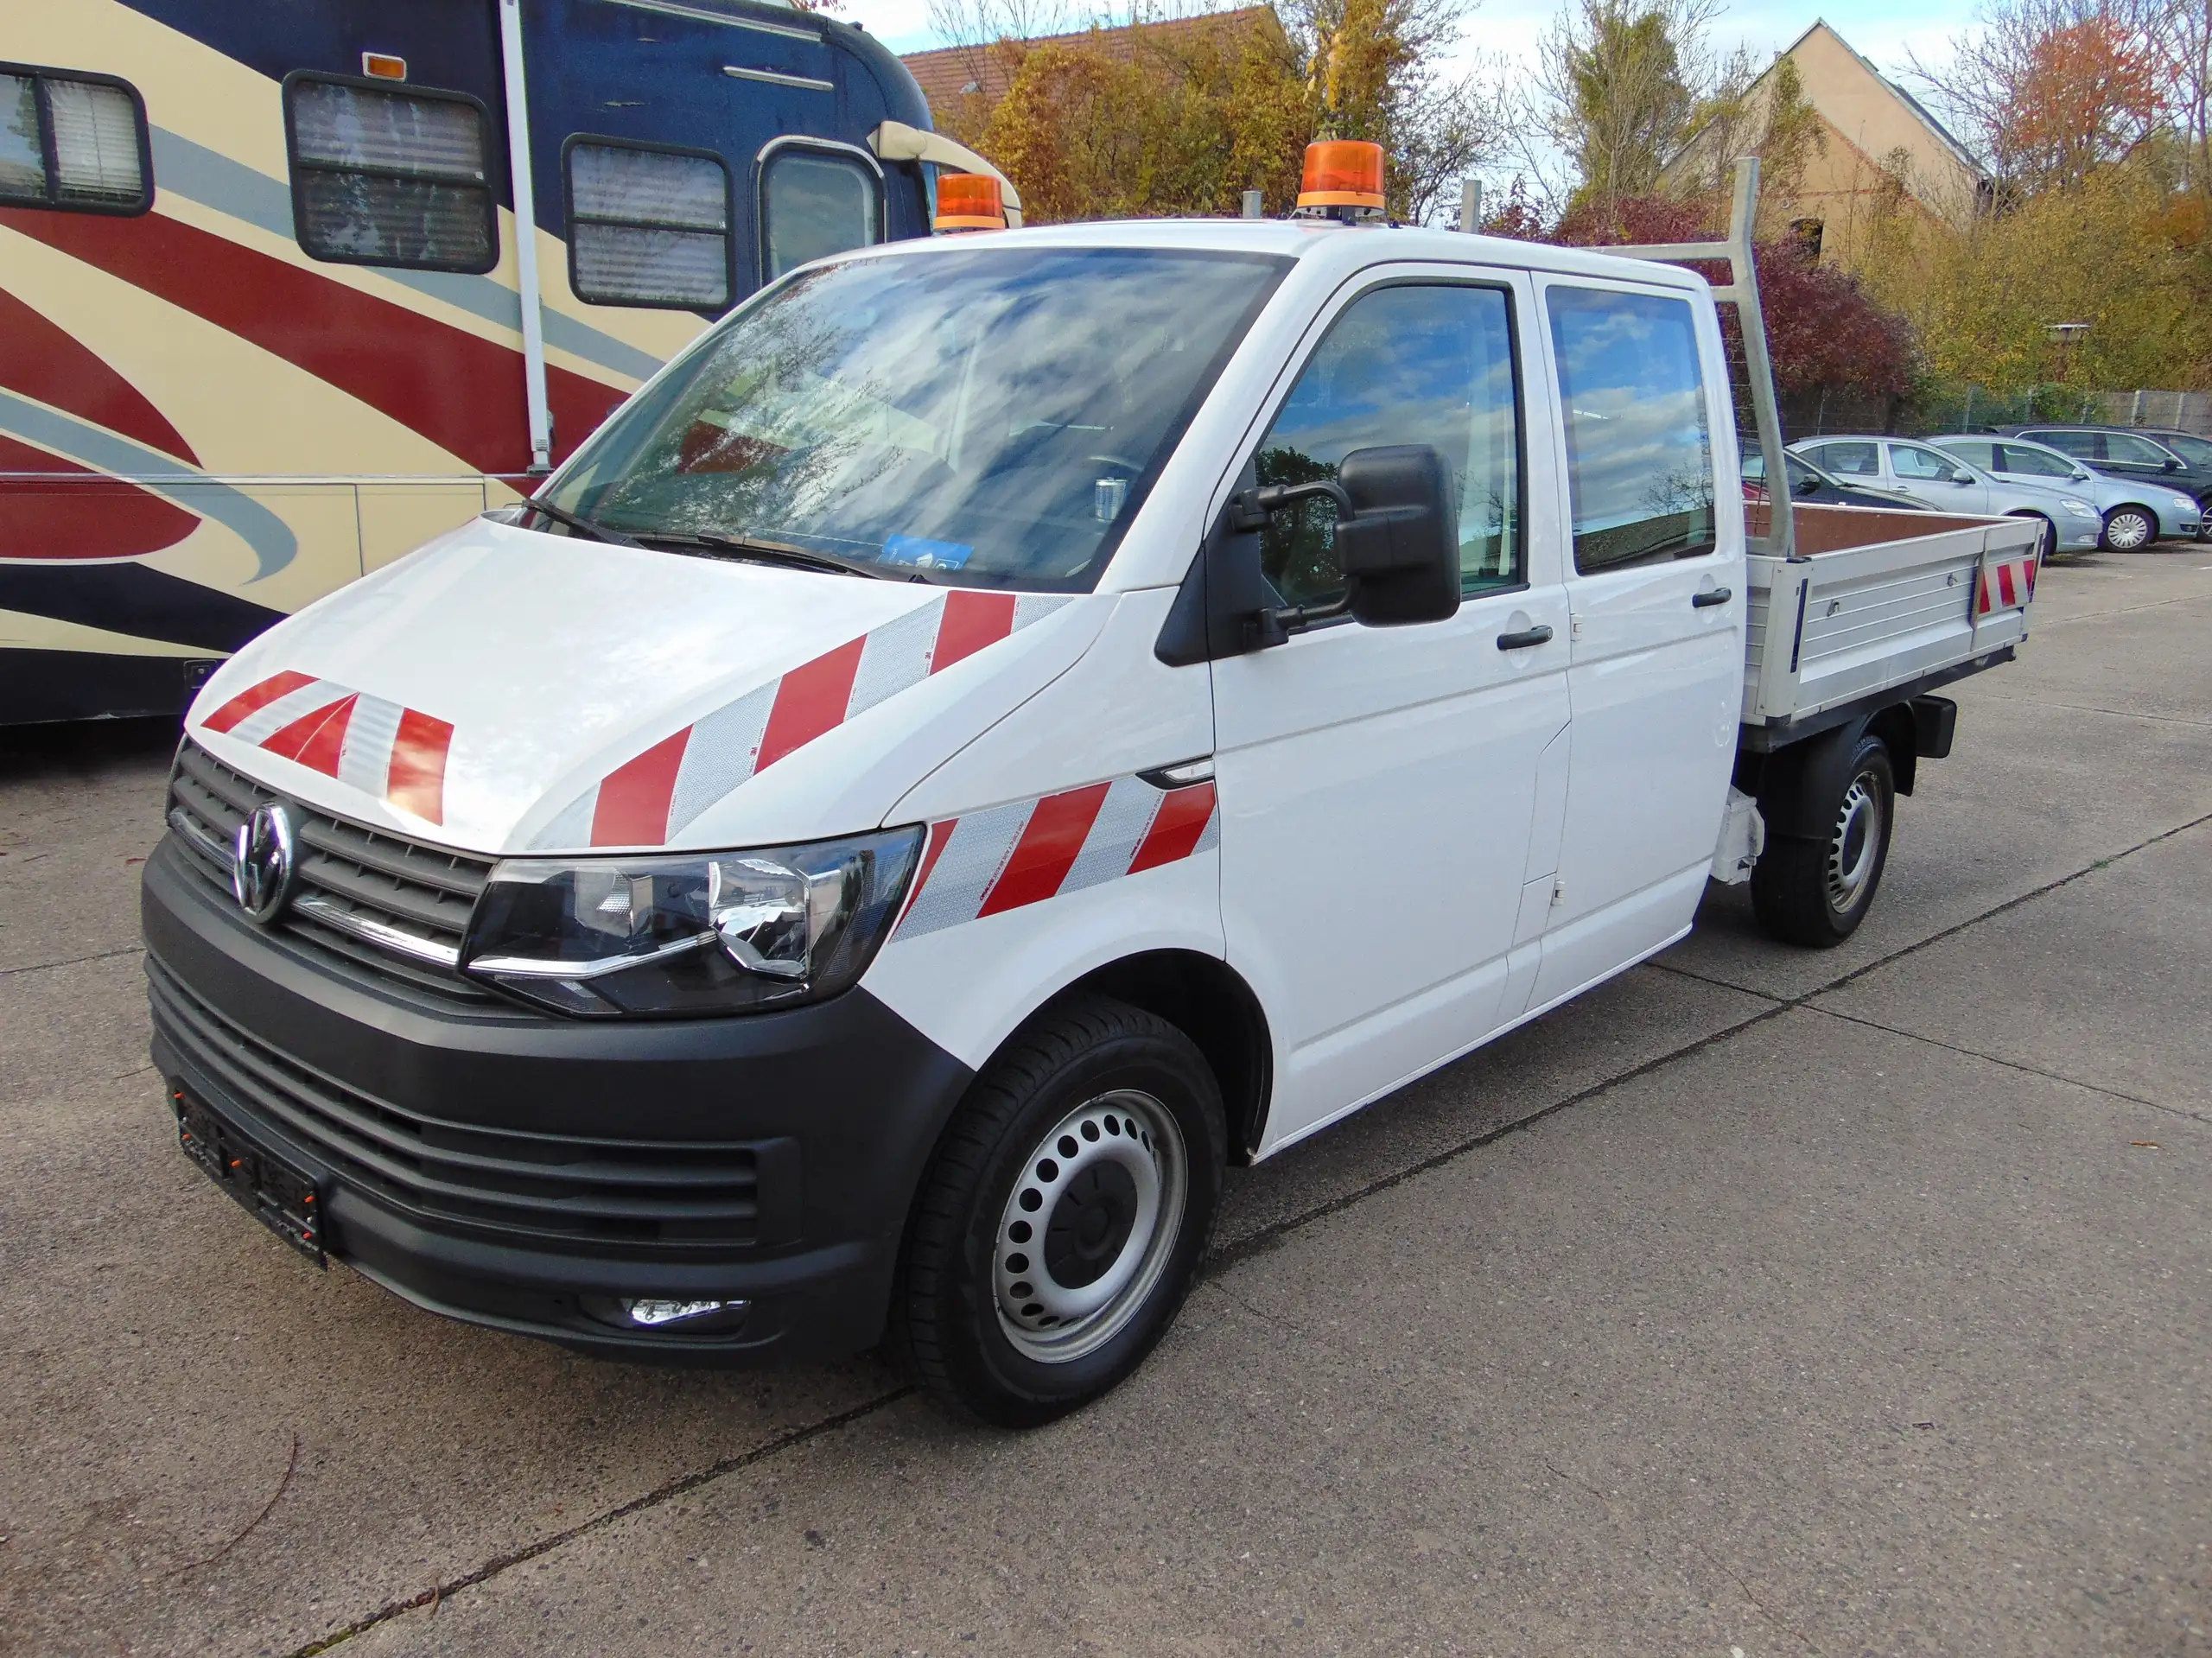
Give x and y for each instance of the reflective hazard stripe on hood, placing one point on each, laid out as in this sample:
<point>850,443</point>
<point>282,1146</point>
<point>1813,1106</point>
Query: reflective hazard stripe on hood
<point>649,799</point>
<point>367,742</point>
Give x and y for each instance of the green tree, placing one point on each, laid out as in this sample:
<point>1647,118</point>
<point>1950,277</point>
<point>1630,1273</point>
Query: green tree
<point>1620,80</point>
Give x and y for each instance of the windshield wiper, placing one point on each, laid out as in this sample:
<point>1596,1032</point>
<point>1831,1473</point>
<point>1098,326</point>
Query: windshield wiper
<point>574,521</point>
<point>771,552</point>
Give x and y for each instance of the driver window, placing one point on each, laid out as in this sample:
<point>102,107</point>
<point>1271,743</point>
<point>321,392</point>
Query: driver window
<point>2032,463</point>
<point>1412,364</point>
<point>1922,463</point>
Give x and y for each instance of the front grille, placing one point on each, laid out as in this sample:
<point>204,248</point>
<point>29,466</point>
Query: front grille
<point>660,1198</point>
<point>375,899</point>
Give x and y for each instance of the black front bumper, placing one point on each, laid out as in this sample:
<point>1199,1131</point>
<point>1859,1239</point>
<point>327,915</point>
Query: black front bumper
<point>524,1170</point>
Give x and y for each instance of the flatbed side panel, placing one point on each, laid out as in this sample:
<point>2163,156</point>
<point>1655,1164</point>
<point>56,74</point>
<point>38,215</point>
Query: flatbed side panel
<point>1841,626</point>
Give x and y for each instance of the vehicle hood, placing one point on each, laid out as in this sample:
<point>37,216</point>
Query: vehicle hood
<point>504,690</point>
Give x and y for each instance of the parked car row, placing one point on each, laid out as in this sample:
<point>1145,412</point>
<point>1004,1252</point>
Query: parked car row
<point>2099,488</point>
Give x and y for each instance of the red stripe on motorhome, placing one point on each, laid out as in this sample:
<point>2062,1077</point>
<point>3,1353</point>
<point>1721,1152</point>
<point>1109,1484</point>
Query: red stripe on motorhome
<point>41,360</point>
<point>461,391</point>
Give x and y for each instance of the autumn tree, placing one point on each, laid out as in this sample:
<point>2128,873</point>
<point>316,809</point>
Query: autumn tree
<point>1619,86</point>
<point>2053,89</point>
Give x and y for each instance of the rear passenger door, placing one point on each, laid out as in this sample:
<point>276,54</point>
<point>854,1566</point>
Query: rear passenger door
<point>1655,677</point>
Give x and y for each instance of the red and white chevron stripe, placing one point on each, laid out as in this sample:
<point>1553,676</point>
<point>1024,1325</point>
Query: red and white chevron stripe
<point>646,800</point>
<point>372,744</point>
<point>1008,857</point>
<point>2006,584</point>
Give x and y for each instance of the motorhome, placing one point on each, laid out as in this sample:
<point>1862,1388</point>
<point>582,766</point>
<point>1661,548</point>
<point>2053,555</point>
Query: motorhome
<point>286,290</point>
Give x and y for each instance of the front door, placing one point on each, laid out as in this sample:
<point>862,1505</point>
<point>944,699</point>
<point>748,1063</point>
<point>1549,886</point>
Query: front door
<point>1656,593</point>
<point>1377,784</point>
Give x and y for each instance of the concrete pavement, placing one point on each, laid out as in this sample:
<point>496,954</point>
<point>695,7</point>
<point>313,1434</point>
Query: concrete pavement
<point>1761,1300</point>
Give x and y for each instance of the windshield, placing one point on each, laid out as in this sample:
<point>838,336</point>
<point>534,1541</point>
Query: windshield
<point>996,415</point>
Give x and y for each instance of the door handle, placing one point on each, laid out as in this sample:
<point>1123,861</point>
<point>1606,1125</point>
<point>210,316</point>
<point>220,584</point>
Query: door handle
<point>1527,637</point>
<point>1711,597</point>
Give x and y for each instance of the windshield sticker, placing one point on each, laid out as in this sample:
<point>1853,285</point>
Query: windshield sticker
<point>1012,856</point>
<point>923,553</point>
<point>365,742</point>
<point>644,801</point>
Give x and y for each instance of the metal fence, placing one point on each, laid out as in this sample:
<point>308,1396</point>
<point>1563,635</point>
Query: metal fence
<point>2186,411</point>
<point>1951,408</point>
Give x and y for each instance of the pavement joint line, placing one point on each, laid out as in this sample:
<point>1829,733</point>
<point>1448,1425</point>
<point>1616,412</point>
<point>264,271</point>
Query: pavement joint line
<point>2181,1111</point>
<point>1267,1237</point>
<point>74,961</point>
<point>660,1494</point>
<point>2123,610</point>
<point>2117,713</point>
<point>1223,1258</point>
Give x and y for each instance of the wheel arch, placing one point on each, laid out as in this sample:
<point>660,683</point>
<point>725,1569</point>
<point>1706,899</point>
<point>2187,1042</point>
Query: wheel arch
<point>1210,1002</point>
<point>1794,779</point>
<point>2049,527</point>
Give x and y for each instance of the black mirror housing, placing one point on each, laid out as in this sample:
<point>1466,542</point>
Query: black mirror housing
<point>1400,544</point>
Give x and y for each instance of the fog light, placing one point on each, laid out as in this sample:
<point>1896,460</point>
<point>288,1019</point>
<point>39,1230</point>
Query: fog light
<point>659,1315</point>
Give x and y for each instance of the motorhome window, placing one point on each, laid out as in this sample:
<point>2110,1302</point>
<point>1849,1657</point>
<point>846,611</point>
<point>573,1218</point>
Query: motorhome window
<point>1639,445</point>
<point>992,416</point>
<point>1412,364</point>
<point>815,203</point>
<point>648,226</point>
<point>71,142</point>
<point>385,177</point>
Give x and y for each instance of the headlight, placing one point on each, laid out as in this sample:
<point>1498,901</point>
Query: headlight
<point>2080,509</point>
<point>720,932</point>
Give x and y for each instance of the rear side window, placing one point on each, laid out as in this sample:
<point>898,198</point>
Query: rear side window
<point>1849,459</point>
<point>76,142</point>
<point>1981,454</point>
<point>1415,363</point>
<point>386,176</point>
<point>648,226</point>
<point>1639,442</point>
<point>2083,444</point>
<point>815,203</point>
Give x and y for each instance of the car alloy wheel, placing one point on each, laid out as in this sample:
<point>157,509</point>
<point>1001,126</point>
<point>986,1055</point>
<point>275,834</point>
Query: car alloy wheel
<point>2128,529</point>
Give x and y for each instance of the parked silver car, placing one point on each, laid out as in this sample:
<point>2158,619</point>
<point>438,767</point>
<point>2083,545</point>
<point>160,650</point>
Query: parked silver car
<point>1912,471</point>
<point>2136,511</point>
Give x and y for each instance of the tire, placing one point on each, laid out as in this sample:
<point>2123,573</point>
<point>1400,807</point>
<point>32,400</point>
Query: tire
<point>2129,529</point>
<point>1063,1217</point>
<point>1816,891</point>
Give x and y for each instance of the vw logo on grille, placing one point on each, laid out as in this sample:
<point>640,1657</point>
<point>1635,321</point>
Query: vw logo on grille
<point>261,862</point>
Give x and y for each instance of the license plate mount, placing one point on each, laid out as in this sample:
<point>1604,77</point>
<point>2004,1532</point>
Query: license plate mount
<point>275,1192</point>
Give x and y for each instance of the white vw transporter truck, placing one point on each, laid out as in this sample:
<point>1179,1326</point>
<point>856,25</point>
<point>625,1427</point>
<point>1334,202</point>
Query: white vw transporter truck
<point>1003,727</point>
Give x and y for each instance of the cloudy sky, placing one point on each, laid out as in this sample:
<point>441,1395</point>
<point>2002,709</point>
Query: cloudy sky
<point>1884,30</point>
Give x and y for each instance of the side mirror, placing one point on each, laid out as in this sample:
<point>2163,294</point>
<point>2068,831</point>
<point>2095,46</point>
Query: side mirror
<point>1397,537</point>
<point>2171,465</point>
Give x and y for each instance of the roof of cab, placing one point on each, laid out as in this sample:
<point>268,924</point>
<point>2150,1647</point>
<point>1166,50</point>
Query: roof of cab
<point>1307,241</point>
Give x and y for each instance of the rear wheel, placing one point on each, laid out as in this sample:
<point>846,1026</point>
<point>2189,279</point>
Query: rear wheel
<point>1061,1222</point>
<point>1815,891</point>
<point>2129,528</point>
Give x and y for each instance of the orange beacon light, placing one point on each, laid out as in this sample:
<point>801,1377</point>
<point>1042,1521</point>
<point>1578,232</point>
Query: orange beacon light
<point>1341,174</point>
<point>968,201</point>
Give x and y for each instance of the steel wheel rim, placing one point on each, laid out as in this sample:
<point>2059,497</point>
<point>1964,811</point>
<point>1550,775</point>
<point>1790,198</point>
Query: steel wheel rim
<point>2127,532</point>
<point>1128,1163</point>
<point>1856,840</point>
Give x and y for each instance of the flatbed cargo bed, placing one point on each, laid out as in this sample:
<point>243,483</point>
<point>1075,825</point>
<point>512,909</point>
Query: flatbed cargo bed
<point>1876,607</point>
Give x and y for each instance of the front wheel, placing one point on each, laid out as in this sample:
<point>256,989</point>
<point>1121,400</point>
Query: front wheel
<point>1061,1222</point>
<point>2128,529</point>
<point>1807,890</point>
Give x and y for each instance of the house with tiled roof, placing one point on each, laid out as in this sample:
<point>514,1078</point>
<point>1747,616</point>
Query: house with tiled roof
<point>1878,144</point>
<point>963,84</point>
